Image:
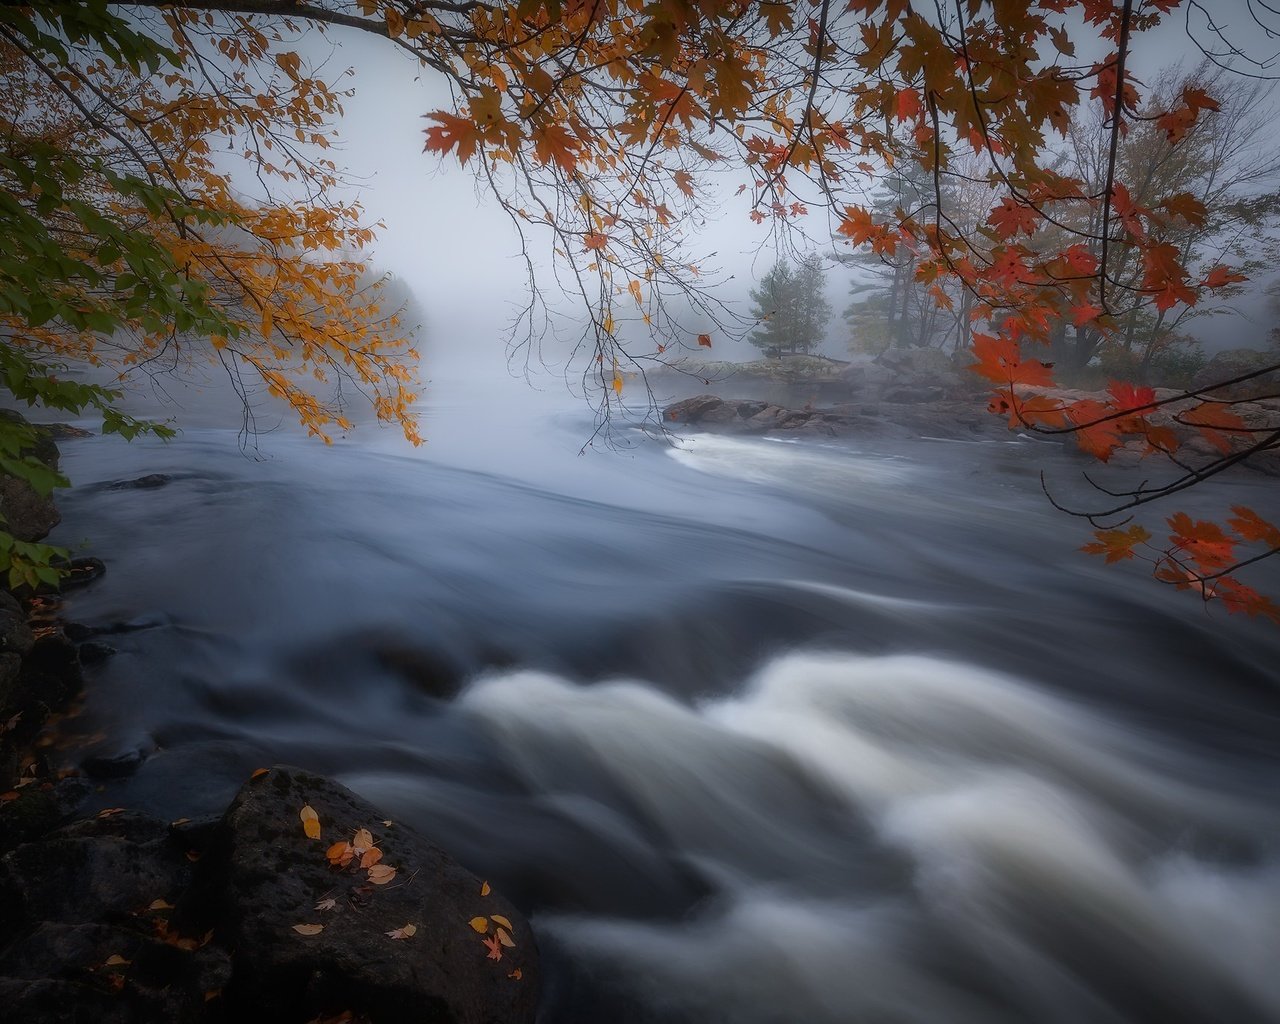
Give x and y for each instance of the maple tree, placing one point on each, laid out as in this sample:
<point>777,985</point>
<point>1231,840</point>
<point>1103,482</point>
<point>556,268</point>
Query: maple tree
<point>607,125</point>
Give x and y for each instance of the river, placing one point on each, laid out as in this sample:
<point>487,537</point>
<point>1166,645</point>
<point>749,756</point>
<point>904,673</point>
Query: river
<point>755,731</point>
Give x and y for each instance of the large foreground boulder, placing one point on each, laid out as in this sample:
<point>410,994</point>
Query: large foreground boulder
<point>413,936</point>
<point>125,919</point>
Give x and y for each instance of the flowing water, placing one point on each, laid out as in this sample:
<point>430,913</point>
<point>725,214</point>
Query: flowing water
<point>755,731</point>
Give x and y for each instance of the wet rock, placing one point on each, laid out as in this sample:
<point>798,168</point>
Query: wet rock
<point>93,652</point>
<point>28,515</point>
<point>80,571</point>
<point>148,482</point>
<point>115,766</point>
<point>264,876</point>
<point>15,634</point>
<point>65,431</point>
<point>1237,362</point>
<point>51,672</point>
<point>100,870</point>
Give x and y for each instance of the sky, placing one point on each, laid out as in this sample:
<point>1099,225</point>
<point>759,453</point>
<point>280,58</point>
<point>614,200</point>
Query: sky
<point>460,255</point>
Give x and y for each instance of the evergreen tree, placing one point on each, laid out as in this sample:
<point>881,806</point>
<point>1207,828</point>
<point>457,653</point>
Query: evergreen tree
<point>774,307</point>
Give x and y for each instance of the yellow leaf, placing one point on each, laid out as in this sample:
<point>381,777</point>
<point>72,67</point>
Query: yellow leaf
<point>617,385</point>
<point>310,821</point>
<point>408,931</point>
<point>308,929</point>
<point>499,919</point>
<point>484,889</point>
<point>636,293</point>
<point>479,924</point>
<point>504,938</point>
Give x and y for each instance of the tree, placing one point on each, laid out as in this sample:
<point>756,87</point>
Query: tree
<point>774,307</point>
<point>791,307</point>
<point>602,124</point>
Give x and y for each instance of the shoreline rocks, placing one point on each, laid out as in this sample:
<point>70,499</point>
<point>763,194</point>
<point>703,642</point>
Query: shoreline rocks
<point>123,918</point>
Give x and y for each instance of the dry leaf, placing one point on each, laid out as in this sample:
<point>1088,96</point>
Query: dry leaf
<point>387,822</point>
<point>258,773</point>
<point>480,924</point>
<point>363,840</point>
<point>159,905</point>
<point>310,821</point>
<point>340,853</point>
<point>308,929</point>
<point>484,889</point>
<point>328,904</point>
<point>517,974</point>
<point>180,821</point>
<point>116,960</point>
<point>499,919</point>
<point>110,812</point>
<point>408,931</point>
<point>381,874</point>
<point>494,946</point>
<point>370,858</point>
<point>504,938</point>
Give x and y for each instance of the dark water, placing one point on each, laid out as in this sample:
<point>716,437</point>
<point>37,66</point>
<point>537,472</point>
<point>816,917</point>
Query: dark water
<point>756,732</point>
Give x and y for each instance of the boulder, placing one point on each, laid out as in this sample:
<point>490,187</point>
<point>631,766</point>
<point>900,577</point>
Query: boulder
<point>692,410</point>
<point>470,958</point>
<point>28,515</point>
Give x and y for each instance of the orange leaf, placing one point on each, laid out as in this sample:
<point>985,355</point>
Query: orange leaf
<point>594,240</point>
<point>381,874</point>
<point>452,133</point>
<point>907,104</point>
<point>704,340</point>
<point>479,924</point>
<point>494,945</point>
<point>1220,277</point>
<point>308,929</point>
<point>1010,217</point>
<point>1252,527</point>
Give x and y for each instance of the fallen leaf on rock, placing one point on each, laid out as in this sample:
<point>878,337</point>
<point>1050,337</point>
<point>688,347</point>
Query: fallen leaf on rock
<point>363,840</point>
<point>504,938</point>
<point>370,858</point>
<point>180,821</point>
<point>310,821</point>
<point>517,974</point>
<point>387,822</point>
<point>159,905</point>
<point>110,812</point>
<point>480,924</point>
<point>381,874</point>
<point>308,929</point>
<point>116,960</point>
<point>499,919</point>
<point>406,932</point>
<point>494,947</point>
<point>340,853</point>
<point>328,904</point>
<point>258,773</point>
<point>484,889</point>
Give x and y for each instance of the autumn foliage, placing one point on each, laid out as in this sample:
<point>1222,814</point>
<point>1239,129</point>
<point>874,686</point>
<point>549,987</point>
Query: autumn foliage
<point>606,125</point>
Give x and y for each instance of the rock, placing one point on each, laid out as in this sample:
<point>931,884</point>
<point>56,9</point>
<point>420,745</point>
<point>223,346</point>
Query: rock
<point>148,482</point>
<point>692,410</point>
<point>15,634</point>
<point>263,876</point>
<point>100,870</point>
<point>80,571</point>
<point>93,652</point>
<point>116,766</point>
<point>51,671</point>
<point>28,515</point>
<point>65,431</point>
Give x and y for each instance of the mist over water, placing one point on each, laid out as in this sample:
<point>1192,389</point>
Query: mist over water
<point>756,732</point>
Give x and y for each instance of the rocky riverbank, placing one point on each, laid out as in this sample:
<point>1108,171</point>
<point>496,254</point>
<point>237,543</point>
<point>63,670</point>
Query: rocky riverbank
<point>300,903</point>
